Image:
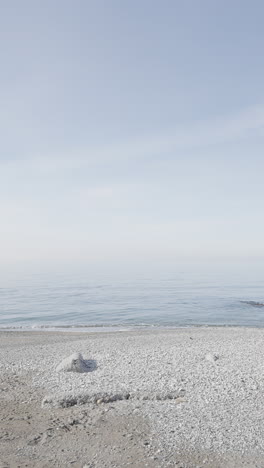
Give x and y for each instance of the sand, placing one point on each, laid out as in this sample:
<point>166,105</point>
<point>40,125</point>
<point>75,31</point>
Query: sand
<point>159,398</point>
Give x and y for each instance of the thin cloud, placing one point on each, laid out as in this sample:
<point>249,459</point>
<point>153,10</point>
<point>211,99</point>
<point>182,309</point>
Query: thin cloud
<point>183,137</point>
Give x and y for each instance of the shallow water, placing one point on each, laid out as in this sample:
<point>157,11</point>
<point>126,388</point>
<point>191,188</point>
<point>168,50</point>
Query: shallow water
<point>183,298</point>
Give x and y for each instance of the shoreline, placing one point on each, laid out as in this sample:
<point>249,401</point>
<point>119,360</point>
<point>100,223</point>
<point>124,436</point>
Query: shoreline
<point>122,328</point>
<point>196,398</point>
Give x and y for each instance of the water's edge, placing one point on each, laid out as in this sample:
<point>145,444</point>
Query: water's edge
<point>119,329</point>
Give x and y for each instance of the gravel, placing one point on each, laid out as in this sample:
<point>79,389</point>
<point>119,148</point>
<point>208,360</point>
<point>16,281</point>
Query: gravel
<point>215,377</point>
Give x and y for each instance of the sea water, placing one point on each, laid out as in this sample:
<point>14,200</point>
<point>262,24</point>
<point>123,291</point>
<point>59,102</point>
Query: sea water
<point>184,297</point>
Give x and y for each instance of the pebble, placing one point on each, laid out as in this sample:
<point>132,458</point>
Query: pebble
<point>225,400</point>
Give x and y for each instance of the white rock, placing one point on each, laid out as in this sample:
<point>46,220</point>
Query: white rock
<point>73,363</point>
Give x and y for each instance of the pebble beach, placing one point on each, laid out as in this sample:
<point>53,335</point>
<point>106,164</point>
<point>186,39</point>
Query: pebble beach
<point>189,397</point>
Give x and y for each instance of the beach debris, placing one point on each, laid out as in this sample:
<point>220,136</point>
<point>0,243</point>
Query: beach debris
<point>180,400</point>
<point>73,363</point>
<point>212,357</point>
<point>68,400</point>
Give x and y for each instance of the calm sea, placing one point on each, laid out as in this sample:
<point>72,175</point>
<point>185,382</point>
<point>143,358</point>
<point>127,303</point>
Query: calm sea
<point>182,298</point>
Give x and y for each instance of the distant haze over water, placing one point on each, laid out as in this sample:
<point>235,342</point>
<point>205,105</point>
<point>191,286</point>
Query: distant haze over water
<point>184,297</point>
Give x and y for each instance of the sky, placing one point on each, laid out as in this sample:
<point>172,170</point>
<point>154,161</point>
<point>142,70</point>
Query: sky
<point>131,131</point>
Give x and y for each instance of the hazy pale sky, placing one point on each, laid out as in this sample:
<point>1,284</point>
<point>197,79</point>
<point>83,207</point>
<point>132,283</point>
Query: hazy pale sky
<point>131,130</point>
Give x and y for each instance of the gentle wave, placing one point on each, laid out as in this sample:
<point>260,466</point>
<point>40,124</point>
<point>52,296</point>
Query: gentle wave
<point>253,303</point>
<point>115,328</point>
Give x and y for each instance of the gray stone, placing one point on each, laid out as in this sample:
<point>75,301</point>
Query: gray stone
<point>73,363</point>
